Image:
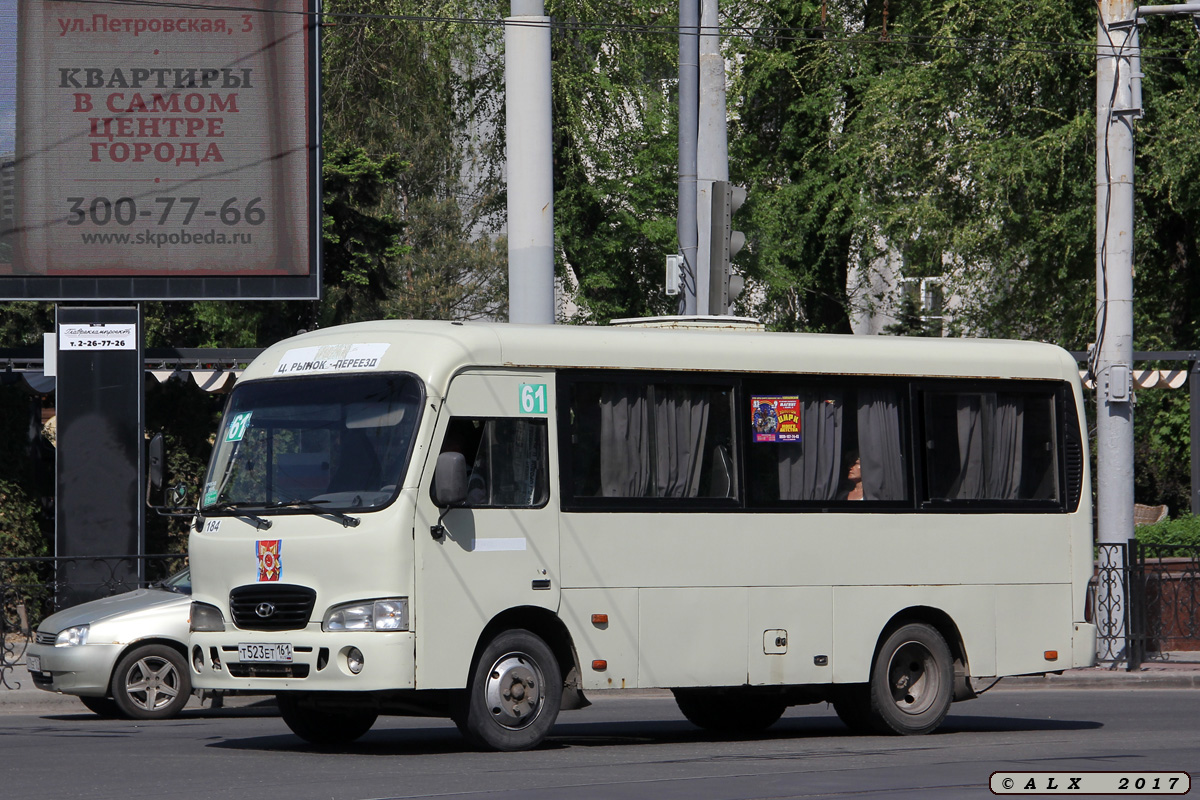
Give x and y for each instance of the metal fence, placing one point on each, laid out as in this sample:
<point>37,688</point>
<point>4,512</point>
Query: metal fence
<point>32,589</point>
<point>1164,589</point>
<point>1146,603</point>
<point>1109,593</point>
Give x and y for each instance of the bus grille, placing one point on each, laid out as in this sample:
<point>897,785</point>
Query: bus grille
<point>242,670</point>
<point>275,607</point>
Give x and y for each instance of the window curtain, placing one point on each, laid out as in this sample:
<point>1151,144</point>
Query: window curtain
<point>811,469</point>
<point>624,441</point>
<point>969,416</point>
<point>880,456</point>
<point>991,432</point>
<point>659,454</point>
<point>680,426</point>
<point>1005,436</point>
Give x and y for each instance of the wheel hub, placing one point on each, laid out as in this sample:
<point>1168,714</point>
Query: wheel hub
<point>913,677</point>
<point>514,690</point>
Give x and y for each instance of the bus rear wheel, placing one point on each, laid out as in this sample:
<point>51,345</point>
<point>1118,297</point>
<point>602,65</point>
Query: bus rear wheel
<point>322,727</point>
<point>514,694</point>
<point>912,681</point>
<point>729,711</point>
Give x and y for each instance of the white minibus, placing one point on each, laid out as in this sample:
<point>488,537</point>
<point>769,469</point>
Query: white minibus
<point>488,521</point>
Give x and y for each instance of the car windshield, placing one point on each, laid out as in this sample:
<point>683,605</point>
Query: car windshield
<point>179,582</point>
<point>313,444</point>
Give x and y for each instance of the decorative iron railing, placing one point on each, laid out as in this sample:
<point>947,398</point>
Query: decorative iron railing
<point>1109,606</point>
<point>32,589</point>
<point>1164,583</point>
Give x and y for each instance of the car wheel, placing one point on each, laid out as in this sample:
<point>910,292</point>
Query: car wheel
<point>104,706</point>
<point>514,695</point>
<point>323,727</point>
<point>151,682</point>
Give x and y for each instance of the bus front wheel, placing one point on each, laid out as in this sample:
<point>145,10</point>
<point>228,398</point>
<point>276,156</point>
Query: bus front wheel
<point>912,681</point>
<point>514,695</point>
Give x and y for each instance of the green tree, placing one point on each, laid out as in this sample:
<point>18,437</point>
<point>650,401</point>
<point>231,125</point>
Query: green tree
<point>615,150</point>
<point>417,84</point>
<point>924,141</point>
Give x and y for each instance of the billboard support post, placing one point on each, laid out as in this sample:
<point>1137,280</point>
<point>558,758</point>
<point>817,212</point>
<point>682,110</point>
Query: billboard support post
<point>99,467</point>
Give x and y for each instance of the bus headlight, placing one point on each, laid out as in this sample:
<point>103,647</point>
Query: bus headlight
<point>206,618</point>
<point>390,614</point>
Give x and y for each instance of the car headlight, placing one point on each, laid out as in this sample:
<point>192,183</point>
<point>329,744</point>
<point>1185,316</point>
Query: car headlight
<point>206,618</point>
<point>390,614</point>
<point>72,636</point>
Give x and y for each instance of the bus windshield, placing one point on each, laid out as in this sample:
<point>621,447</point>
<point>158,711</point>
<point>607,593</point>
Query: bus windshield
<point>333,442</point>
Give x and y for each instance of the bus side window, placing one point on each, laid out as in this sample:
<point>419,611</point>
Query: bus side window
<point>818,443</point>
<point>652,440</point>
<point>991,445</point>
<point>507,460</point>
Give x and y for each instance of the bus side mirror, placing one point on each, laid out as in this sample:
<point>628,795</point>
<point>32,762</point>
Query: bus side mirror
<point>156,457</point>
<point>450,480</point>
<point>449,488</point>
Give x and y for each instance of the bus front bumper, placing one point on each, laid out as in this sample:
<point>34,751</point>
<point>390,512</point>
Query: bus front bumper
<point>319,661</point>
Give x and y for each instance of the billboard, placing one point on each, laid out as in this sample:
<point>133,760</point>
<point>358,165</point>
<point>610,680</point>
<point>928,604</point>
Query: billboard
<point>157,151</point>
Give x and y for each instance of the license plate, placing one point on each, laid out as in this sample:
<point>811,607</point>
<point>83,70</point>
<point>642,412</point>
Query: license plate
<point>34,663</point>
<point>269,653</point>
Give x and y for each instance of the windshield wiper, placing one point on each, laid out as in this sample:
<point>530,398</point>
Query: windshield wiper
<point>314,507</point>
<point>237,508</point>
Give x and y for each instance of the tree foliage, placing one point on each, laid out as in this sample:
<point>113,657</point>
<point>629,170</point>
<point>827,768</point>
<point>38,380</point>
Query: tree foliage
<point>960,152</point>
<point>417,85</point>
<point>615,150</point>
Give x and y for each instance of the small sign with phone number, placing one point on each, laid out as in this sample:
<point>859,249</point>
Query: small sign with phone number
<point>97,336</point>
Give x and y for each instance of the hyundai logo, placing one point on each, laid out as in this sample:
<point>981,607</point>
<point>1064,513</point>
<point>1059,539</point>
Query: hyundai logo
<point>265,610</point>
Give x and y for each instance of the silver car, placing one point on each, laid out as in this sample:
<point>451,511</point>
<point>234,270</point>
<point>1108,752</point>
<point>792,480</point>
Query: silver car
<point>122,655</point>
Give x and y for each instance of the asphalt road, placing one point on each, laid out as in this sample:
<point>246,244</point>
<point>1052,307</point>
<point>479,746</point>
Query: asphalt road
<point>636,747</point>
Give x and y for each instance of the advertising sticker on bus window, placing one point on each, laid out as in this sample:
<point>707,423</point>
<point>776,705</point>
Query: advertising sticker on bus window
<point>775,418</point>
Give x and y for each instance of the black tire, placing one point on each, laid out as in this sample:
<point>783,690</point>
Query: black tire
<point>912,681</point>
<point>104,706</point>
<point>514,694</point>
<point>729,710</point>
<point>323,727</point>
<point>852,702</point>
<point>151,682</point>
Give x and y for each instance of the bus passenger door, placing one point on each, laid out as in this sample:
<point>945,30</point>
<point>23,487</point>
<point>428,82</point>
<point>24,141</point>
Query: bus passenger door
<point>500,550</point>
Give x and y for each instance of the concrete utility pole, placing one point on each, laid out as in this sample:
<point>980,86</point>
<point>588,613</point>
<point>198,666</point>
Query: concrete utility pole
<point>689,100</point>
<point>1112,358</point>
<point>530,164</point>
<point>712,152</point>
<point>1118,104</point>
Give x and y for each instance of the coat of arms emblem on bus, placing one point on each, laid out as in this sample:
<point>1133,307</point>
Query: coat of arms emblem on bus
<point>270,567</point>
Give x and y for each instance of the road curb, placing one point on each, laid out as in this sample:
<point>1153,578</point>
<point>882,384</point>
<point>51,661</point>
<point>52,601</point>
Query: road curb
<point>1181,677</point>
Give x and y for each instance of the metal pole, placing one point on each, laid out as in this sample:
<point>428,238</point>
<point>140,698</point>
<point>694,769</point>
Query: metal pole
<point>1194,397</point>
<point>1112,361</point>
<point>712,149</point>
<point>530,164</point>
<point>689,99</point>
